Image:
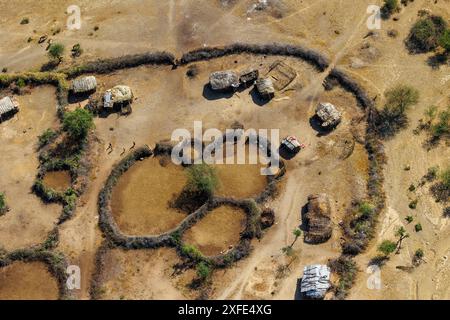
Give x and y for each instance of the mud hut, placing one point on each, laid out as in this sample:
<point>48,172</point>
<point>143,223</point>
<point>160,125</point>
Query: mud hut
<point>315,281</point>
<point>317,220</point>
<point>8,107</point>
<point>328,115</point>
<point>118,95</point>
<point>265,88</point>
<point>224,80</point>
<point>84,85</point>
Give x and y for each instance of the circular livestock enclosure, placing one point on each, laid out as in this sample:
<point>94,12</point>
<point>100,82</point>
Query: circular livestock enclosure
<point>246,221</point>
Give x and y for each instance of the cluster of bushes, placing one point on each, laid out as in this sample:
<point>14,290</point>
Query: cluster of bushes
<point>441,189</point>
<point>318,60</point>
<point>346,269</point>
<point>428,34</point>
<point>392,118</point>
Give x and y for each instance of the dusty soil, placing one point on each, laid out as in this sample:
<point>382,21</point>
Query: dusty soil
<point>143,274</point>
<point>27,281</point>
<point>57,180</point>
<point>29,220</point>
<point>239,180</point>
<point>141,198</point>
<point>218,231</point>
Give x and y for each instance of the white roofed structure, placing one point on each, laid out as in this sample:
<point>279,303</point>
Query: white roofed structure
<point>315,281</point>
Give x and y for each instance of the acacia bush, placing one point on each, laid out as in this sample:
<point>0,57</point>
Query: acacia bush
<point>426,34</point>
<point>78,123</point>
<point>392,117</point>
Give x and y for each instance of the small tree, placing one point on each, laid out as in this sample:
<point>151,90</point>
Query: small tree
<point>78,123</point>
<point>418,257</point>
<point>387,247</point>
<point>393,118</point>
<point>56,51</point>
<point>400,98</point>
<point>202,179</point>
<point>401,234</point>
<point>389,7</point>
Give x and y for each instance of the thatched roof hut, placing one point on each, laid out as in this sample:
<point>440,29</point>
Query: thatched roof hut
<point>85,84</point>
<point>315,281</point>
<point>317,221</point>
<point>265,88</point>
<point>328,114</point>
<point>8,106</point>
<point>224,80</point>
<point>118,94</point>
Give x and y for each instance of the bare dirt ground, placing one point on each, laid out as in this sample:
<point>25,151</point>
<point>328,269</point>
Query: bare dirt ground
<point>167,99</point>
<point>27,281</point>
<point>141,199</point>
<point>57,180</point>
<point>143,274</point>
<point>217,232</point>
<point>29,220</point>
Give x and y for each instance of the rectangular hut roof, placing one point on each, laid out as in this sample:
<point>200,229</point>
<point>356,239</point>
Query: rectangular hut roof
<point>315,281</point>
<point>84,84</point>
<point>7,105</point>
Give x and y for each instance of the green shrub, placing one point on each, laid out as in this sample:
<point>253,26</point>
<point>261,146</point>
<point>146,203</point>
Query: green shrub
<point>203,270</point>
<point>387,247</point>
<point>442,126</point>
<point>25,21</point>
<point>444,40</point>
<point>418,227</point>
<point>390,7</point>
<point>191,252</point>
<point>425,34</point>
<point>445,178</point>
<point>78,123</point>
<point>46,137</point>
<point>202,178</point>
<point>392,118</point>
<point>366,210</point>
<point>413,204</point>
<point>409,219</point>
<point>56,51</point>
